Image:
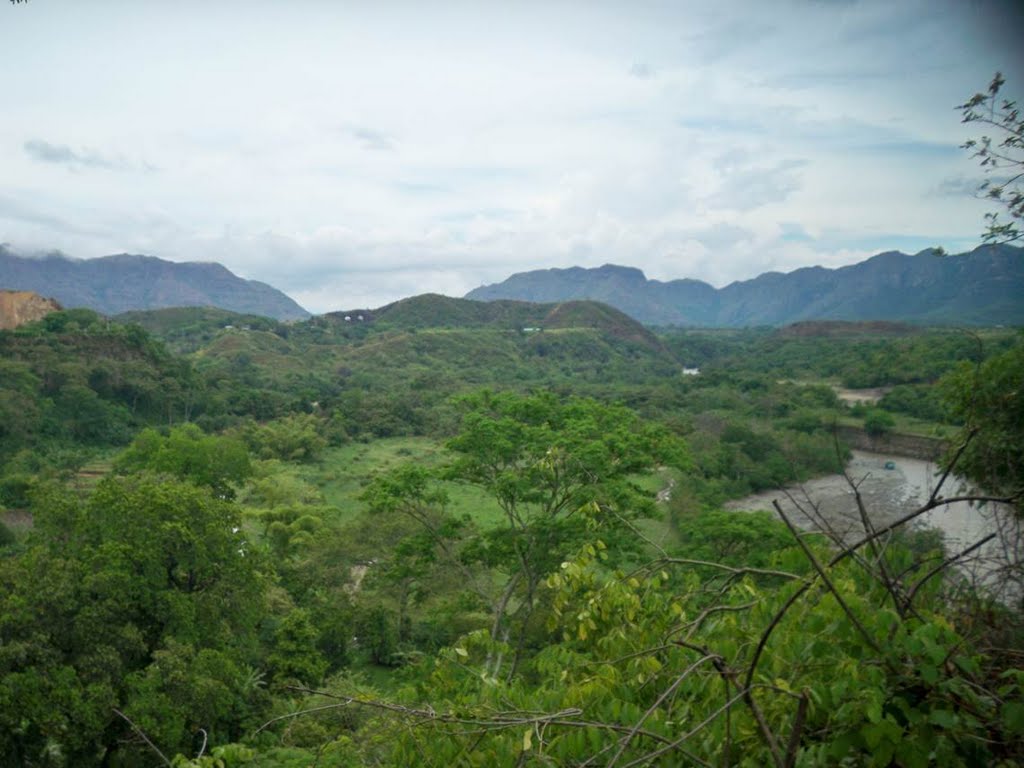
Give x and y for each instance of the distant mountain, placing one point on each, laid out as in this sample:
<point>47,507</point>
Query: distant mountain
<point>982,287</point>
<point>115,284</point>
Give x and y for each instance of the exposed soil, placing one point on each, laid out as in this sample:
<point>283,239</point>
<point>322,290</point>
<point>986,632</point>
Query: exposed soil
<point>854,396</point>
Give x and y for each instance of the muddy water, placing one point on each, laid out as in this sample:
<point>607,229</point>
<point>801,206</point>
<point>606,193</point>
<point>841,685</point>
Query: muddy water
<point>888,494</point>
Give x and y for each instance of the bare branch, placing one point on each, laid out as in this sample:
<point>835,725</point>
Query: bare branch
<point>202,749</point>
<point>798,727</point>
<point>141,733</point>
<point>828,582</point>
<point>301,712</point>
<point>946,563</point>
<point>735,571</point>
<point>624,741</point>
<point>671,747</point>
<point>497,721</point>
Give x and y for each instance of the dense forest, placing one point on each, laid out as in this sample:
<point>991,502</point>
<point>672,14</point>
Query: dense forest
<point>453,533</point>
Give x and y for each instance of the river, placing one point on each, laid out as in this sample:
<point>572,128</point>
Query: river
<point>891,487</point>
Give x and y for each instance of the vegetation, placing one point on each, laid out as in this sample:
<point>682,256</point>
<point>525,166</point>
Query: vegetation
<point>1002,155</point>
<point>434,537</point>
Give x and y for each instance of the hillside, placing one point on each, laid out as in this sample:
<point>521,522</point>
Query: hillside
<point>115,284</point>
<point>982,287</point>
<point>435,311</point>
<point>20,307</point>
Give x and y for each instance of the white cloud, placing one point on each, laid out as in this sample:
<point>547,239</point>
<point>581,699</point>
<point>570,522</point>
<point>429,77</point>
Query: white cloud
<point>352,154</point>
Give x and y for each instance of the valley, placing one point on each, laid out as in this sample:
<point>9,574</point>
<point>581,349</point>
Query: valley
<point>511,385</point>
<point>451,499</point>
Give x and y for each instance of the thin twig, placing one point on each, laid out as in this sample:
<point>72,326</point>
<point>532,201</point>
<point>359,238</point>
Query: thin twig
<point>949,467</point>
<point>945,564</point>
<point>624,741</point>
<point>202,749</point>
<point>828,582</point>
<point>689,734</point>
<point>145,738</point>
<point>736,571</point>
<point>299,714</point>
<point>762,722</point>
<point>497,722</point>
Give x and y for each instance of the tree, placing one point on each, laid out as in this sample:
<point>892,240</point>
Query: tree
<point>988,399</point>
<point>878,423</point>
<point>219,463</point>
<point>558,470</point>
<point>1001,155</point>
<point>143,598</point>
<point>295,656</point>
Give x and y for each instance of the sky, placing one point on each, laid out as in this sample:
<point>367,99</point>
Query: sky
<point>354,153</point>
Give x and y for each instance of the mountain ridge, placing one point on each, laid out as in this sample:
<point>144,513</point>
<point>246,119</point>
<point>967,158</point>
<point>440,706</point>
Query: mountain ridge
<point>981,287</point>
<point>124,282</point>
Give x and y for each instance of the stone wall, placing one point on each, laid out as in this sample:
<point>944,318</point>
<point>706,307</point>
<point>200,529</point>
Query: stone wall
<point>913,446</point>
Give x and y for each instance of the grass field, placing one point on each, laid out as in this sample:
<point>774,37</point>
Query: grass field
<point>344,472</point>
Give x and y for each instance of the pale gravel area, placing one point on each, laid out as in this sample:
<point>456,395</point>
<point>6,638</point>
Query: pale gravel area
<point>888,495</point>
<point>854,396</point>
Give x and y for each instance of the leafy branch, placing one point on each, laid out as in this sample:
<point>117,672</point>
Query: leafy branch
<point>1002,154</point>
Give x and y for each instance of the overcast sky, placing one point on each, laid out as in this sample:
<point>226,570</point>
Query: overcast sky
<point>354,153</point>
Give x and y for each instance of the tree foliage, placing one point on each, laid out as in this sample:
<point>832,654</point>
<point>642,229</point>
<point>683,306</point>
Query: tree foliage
<point>219,463</point>
<point>142,598</point>
<point>1002,157</point>
<point>988,399</point>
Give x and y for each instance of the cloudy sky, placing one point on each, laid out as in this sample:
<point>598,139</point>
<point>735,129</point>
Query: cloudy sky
<point>352,153</point>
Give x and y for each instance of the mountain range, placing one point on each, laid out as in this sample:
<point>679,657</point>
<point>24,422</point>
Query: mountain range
<point>982,287</point>
<point>115,284</point>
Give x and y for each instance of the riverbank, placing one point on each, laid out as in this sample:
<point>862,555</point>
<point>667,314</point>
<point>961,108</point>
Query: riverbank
<point>901,445</point>
<point>892,486</point>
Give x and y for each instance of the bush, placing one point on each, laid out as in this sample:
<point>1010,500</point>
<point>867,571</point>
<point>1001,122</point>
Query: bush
<point>878,423</point>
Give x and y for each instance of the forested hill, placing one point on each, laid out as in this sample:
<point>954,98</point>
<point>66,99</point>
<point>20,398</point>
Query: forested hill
<point>982,287</point>
<point>435,311</point>
<point>114,284</point>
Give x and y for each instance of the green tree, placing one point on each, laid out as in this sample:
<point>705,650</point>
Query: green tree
<point>146,571</point>
<point>878,422</point>
<point>295,656</point>
<point>988,399</point>
<point>557,470</point>
<point>290,438</point>
<point>219,463</point>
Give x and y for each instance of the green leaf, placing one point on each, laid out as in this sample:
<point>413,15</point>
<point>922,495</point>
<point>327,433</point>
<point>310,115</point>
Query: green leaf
<point>1012,715</point>
<point>943,718</point>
